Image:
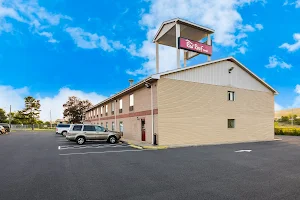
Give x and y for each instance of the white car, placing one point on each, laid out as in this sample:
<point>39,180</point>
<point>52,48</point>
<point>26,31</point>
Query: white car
<point>62,129</point>
<point>2,130</point>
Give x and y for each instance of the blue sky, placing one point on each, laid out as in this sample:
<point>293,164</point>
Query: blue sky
<point>54,49</point>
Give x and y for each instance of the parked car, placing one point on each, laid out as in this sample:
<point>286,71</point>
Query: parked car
<point>80,133</point>
<point>6,126</point>
<point>62,129</point>
<point>2,130</point>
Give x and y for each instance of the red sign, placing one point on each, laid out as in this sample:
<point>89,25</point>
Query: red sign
<point>195,46</point>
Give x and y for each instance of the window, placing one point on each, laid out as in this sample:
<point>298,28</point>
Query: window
<point>106,109</point>
<point>113,126</point>
<point>63,125</point>
<point>89,128</point>
<point>97,111</point>
<point>77,128</point>
<point>100,129</point>
<point>231,96</point>
<point>101,111</point>
<point>102,124</point>
<point>106,125</point>
<point>131,102</point>
<point>231,123</point>
<point>121,127</point>
<point>121,106</point>
<point>112,107</point>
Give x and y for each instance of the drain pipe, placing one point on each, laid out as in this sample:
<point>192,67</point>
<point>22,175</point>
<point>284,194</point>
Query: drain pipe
<point>148,85</point>
<point>152,114</point>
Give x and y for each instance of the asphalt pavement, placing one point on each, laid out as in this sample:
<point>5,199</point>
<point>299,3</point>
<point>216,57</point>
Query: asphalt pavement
<point>43,165</point>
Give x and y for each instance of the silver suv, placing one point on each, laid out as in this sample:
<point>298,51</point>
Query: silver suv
<point>83,132</point>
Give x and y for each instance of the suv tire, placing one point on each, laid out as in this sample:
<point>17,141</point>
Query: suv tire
<point>64,132</point>
<point>112,139</point>
<point>80,140</point>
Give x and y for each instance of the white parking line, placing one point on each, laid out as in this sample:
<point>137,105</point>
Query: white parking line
<point>70,154</point>
<point>92,146</point>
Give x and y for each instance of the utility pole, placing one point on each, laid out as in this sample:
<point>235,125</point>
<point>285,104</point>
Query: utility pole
<point>10,116</point>
<point>50,120</point>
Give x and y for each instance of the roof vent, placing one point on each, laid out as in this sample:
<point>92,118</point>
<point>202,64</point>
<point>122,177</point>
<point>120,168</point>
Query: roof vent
<point>130,82</point>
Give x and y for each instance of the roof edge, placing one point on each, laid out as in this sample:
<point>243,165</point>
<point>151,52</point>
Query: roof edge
<point>122,92</point>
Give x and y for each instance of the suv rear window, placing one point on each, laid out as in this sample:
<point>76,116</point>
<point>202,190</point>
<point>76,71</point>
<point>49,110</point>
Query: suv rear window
<point>63,125</point>
<point>89,128</point>
<point>77,128</point>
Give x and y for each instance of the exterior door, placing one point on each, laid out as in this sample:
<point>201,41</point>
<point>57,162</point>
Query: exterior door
<point>143,129</point>
<point>101,133</point>
<point>89,131</point>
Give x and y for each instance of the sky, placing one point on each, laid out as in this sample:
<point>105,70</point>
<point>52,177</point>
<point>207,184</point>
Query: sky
<point>55,49</point>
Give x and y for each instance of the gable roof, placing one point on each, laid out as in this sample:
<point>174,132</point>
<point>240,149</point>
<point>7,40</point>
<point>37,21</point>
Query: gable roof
<point>158,75</point>
<point>184,22</point>
<point>232,59</point>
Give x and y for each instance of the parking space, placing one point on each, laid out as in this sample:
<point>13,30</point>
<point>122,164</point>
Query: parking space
<point>70,148</point>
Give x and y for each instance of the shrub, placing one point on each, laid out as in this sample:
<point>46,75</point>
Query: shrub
<point>287,131</point>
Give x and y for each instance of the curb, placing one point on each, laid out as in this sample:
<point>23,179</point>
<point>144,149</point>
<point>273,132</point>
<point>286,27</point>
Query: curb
<point>277,139</point>
<point>144,147</point>
<point>135,146</point>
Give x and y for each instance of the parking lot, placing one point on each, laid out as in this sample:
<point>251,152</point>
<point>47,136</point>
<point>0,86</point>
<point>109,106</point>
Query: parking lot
<point>42,165</point>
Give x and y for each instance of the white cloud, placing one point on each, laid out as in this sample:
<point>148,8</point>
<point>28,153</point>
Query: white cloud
<point>259,26</point>
<point>247,28</point>
<point>242,49</point>
<point>223,16</point>
<point>12,96</point>
<point>277,107</point>
<point>292,47</point>
<point>88,40</point>
<point>296,3</point>
<point>55,103</point>
<point>15,98</point>
<point>30,13</point>
<point>275,61</point>
<point>49,36</point>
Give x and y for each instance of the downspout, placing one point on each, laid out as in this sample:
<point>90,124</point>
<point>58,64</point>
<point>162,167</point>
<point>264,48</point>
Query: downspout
<point>115,111</point>
<point>152,114</point>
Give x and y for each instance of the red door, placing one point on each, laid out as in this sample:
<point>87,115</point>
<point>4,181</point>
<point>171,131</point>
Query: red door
<point>143,130</point>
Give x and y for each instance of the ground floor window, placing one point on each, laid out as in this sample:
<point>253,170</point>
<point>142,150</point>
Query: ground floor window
<point>113,126</point>
<point>102,124</point>
<point>106,125</point>
<point>231,123</point>
<point>121,127</point>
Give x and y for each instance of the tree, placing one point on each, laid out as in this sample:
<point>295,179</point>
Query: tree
<point>31,111</point>
<point>3,117</point>
<point>74,109</point>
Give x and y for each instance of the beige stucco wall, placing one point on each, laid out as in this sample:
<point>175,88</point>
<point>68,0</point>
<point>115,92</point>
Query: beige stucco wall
<point>197,113</point>
<point>132,124</point>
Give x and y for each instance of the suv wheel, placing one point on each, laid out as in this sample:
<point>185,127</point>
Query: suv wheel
<point>80,140</point>
<point>112,139</point>
<point>64,133</point>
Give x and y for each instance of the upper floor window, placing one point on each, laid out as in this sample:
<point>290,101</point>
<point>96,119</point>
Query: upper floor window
<point>131,102</point>
<point>106,109</point>
<point>101,111</point>
<point>231,96</point>
<point>112,107</point>
<point>120,106</point>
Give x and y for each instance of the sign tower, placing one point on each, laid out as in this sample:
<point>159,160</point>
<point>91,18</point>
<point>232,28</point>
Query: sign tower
<point>182,34</point>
